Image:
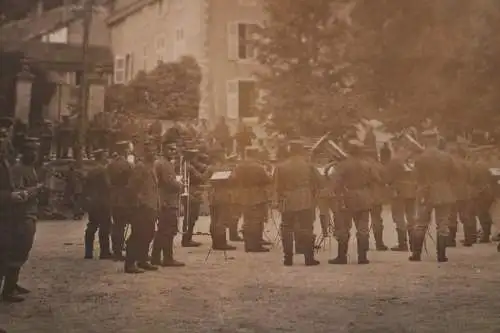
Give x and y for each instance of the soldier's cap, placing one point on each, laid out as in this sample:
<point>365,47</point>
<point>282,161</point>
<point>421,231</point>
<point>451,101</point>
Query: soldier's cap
<point>122,143</point>
<point>31,143</point>
<point>429,133</point>
<point>6,122</point>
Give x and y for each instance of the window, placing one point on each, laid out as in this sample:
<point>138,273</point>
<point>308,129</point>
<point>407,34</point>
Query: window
<point>179,43</point>
<point>58,36</point>
<point>241,38</point>
<point>241,98</point>
<point>119,70</point>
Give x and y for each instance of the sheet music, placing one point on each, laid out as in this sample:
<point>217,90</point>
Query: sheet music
<point>221,175</point>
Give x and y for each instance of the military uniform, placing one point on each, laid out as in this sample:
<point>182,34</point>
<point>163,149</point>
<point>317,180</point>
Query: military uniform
<point>297,183</point>
<point>378,197</point>
<point>143,185</point>
<point>25,215</point>
<point>97,195</point>
<point>120,171</point>
<point>483,196</point>
<point>435,173</point>
<point>169,190</point>
<point>222,200</point>
<point>192,203</point>
<point>326,204</point>
<point>354,180</point>
<point>9,197</point>
<point>252,185</point>
<point>401,180</point>
<point>463,207</point>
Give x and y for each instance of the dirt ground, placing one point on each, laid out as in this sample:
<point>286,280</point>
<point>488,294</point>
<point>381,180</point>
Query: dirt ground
<point>254,292</point>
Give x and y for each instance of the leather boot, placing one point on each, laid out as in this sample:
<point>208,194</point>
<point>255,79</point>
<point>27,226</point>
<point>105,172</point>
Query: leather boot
<point>418,243</point>
<point>486,233</point>
<point>309,252</point>
<point>233,233</point>
<point>9,286</point>
<point>379,240</point>
<point>363,245</point>
<point>323,220</point>
<point>253,243</point>
<point>168,255</point>
<point>341,253</point>
<point>402,242</point>
<point>441,249</point>
<point>469,238</point>
<point>287,242</point>
<point>104,246</point>
<point>156,254</point>
<point>452,237</point>
<point>219,242</point>
<point>410,240</point>
<point>131,268</point>
<point>89,244</point>
<point>147,266</point>
<point>188,242</point>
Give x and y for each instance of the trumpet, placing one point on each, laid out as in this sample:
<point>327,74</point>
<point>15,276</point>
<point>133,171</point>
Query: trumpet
<point>184,176</point>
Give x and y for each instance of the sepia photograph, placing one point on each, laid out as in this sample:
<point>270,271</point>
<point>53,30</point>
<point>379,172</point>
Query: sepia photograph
<point>249,166</point>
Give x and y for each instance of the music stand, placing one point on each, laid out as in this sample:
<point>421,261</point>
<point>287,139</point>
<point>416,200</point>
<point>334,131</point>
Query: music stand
<point>218,177</point>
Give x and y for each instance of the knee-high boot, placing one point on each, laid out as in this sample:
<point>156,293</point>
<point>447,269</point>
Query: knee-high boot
<point>89,243</point>
<point>104,245</point>
<point>363,245</point>
<point>452,237</point>
<point>342,247</point>
<point>168,254</point>
<point>441,248</point>
<point>378,234</point>
<point>157,250</point>
<point>417,238</point>
<point>486,232</point>
<point>9,287</point>
<point>287,242</point>
<point>309,251</point>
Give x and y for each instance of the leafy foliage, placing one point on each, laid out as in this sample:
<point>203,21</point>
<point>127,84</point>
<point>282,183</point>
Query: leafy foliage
<point>170,91</point>
<point>331,62</point>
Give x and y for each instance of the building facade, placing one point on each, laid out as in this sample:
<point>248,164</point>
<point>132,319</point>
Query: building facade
<point>217,33</point>
<point>44,84</point>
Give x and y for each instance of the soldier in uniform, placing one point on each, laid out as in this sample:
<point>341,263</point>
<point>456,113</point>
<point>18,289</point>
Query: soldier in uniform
<point>221,198</point>
<point>297,183</point>
<point>378,196</point>
<point>354,180</point>
<point>483,196</point>
<point>120,171</point>
<point>463,207</point>
<point>25,215</point>
<point>252,183</point>
<point>192,202</point>
<point>169,189</point>
<point>143,184</point>
<point>435,173</point>
<point>9,197</point>
<point>400,177</point>
<point>96,194</point>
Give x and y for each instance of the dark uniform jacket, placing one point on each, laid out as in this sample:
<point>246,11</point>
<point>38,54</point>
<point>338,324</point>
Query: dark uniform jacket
<point>119,173</point>
<point>436,172</point>
<point>6,209</point>
<point>168,186</point>
<point>378,187</point>
<point>97,188</point>
<point>144,187</point>
<point>26,179</point>
<point>354,179</point>
<point>401,178</point>
<point>297,183</point>
<point>252,183</point>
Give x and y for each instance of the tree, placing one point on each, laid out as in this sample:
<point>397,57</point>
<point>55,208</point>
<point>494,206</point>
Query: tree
<point>306,77</point>
<point>170,91</point>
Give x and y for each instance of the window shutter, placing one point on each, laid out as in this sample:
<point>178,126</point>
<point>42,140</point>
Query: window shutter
<point>232,41</point>
<point>119,70</point>
<point>232,99</point>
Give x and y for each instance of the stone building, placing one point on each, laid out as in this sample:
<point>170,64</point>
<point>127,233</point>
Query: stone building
<point>45,53</point>
<point>216,32</point>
